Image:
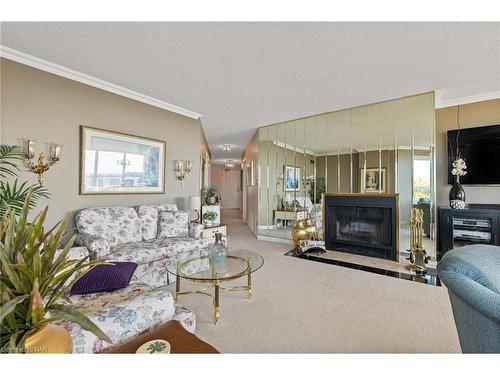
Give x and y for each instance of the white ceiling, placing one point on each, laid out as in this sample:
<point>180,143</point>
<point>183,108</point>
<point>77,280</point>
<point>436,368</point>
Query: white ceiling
<point>241,76</point>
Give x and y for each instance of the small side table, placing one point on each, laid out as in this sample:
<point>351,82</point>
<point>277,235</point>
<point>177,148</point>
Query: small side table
<point>209,231</point>
<point>180,340</point>
<point>288,216</point>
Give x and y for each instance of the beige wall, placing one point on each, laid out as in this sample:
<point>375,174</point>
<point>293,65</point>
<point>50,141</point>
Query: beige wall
<point>49,108</point>
<point>206,155</point>
<point>216,171</point>
<point>471,115</point>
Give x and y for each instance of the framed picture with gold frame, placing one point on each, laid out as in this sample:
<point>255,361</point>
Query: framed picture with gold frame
<point>291,178</point>
<point>371,180</point>
<point>118,163</point>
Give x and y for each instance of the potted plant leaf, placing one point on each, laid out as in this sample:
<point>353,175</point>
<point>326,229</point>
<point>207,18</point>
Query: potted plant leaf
<point>209,217</point>
<point>295,205</point>
<point>13,193</point>
<point>35,277</point>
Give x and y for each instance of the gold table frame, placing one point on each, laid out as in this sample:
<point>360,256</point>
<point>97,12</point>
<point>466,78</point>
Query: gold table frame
<point>215,282</point>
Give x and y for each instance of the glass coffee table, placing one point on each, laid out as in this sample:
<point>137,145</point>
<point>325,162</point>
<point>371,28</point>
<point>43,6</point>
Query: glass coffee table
<point>195,266</point>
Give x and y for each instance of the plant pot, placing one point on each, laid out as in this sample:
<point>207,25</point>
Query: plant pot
<point>49,338</point>
<point>457,195</point>
<point>211,200</point>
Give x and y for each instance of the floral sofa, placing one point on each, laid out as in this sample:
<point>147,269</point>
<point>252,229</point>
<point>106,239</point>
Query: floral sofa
<point>129,234</point>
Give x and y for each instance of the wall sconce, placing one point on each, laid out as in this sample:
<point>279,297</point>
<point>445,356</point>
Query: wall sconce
<point>229,164</point>
<point>182,169</point>
<point>41,166</point>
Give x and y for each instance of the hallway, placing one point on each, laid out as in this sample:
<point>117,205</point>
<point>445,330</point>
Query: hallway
<point>227,181</point>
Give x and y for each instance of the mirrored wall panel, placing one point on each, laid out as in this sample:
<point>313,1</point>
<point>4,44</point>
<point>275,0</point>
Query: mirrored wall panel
<point>385,147</point>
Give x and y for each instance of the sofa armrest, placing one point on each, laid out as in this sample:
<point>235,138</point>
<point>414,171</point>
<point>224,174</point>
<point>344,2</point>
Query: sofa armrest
<point>195,230</point>
<point>98,247</point>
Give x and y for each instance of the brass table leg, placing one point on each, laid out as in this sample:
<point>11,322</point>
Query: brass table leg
<point>177,283</point>
<point>249,284</point>
<point>216,301</point>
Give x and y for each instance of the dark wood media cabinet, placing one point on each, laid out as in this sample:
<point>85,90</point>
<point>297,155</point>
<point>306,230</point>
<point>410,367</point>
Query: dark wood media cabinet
<point>477,224</point>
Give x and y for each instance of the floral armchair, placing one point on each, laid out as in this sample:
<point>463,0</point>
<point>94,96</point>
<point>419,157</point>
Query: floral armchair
<point>125,313</point>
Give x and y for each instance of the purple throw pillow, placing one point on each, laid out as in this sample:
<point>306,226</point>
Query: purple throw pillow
<point>105,278</point>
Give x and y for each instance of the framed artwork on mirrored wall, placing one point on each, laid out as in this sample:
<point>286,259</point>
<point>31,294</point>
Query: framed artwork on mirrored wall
<point>118,163</point>
<point>291,176</point>
<point>372,180</point>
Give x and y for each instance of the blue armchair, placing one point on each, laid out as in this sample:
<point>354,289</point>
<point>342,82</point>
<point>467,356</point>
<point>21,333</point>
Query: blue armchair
<point>472,276</point>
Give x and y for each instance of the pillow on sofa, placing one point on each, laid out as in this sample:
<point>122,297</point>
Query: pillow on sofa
<point>149,222</point>
<point>173,224</point>
<point>105,278</point>
<point>167,207</point>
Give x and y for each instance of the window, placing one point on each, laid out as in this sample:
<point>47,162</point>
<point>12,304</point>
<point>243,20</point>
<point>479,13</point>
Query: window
<point>421,179</point>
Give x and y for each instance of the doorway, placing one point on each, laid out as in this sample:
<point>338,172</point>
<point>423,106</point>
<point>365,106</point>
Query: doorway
<point>228,183</point>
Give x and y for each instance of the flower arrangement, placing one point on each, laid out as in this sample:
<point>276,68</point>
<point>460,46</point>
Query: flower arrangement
<point>459,167</point>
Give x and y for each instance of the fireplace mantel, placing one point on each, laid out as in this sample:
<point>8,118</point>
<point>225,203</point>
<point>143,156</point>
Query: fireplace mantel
<point>366,224</point>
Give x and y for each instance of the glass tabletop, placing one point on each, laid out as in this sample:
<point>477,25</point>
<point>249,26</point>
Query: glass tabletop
<point>196,265</point>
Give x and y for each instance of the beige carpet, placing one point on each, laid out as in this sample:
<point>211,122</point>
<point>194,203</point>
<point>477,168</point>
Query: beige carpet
<point>301,306</point>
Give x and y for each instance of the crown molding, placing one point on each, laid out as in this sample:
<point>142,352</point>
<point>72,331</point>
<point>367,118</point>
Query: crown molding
<point>47,66</point>
<point>464,99</point>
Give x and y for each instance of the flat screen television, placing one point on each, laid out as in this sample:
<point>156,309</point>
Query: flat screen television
<point>480,148</point>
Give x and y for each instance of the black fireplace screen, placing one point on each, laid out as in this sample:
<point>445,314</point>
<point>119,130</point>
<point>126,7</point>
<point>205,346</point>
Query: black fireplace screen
<point>362,225</point>
<point>365,224</point>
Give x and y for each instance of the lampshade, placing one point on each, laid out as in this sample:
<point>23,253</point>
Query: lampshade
<point>194,202</point>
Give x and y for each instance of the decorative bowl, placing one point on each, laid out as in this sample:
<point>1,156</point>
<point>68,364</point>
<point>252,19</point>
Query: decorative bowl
<point>154,347</point>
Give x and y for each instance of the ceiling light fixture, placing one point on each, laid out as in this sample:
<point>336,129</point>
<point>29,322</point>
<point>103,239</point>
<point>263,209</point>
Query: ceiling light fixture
<point>226,147</point>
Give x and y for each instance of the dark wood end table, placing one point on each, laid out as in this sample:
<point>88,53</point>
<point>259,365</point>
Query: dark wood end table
<point>181,341</point>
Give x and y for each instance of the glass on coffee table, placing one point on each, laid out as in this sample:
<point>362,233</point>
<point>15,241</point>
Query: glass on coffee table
<point>196,266</point>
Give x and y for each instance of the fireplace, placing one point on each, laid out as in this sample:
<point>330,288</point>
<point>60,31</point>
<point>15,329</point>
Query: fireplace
<point>366,224</point>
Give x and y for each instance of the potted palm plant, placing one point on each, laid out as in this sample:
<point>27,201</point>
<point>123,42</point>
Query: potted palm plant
<point>13,193</point>
<point>35,277</point>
